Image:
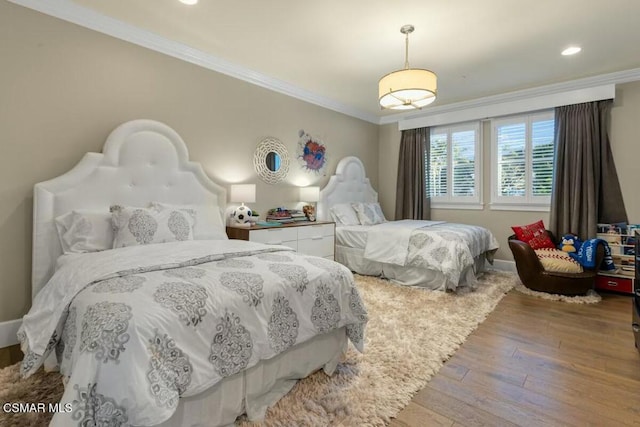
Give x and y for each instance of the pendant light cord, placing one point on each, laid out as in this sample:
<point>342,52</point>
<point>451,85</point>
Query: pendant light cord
<point>406,52</point>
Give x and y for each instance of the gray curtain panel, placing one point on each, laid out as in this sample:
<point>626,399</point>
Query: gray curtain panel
<point>586,189</point>
<point>411,192</point>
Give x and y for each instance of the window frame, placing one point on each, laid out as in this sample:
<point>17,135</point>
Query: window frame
<point>449,201</point>
<point>517,203</point>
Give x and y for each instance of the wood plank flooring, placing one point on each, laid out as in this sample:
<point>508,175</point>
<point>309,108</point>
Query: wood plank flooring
<point>535,362</point>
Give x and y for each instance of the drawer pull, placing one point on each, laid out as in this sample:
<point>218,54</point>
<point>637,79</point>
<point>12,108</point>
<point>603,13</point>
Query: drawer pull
<point>316,238</point>
<point>279,242</point>
<point>636,328</point>
<point>612,283</point>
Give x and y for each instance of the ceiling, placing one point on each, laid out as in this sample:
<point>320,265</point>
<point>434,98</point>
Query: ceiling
<point>337,50</point>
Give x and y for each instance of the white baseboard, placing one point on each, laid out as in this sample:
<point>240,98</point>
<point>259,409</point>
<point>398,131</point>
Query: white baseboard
<point>8,331</point>
<point>504,265</point>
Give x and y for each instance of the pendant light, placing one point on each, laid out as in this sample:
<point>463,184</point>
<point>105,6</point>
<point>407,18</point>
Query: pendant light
<point>409,88</point>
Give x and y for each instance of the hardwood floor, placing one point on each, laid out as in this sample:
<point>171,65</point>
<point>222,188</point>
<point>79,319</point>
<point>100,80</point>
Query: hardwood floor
<point>535,362</point>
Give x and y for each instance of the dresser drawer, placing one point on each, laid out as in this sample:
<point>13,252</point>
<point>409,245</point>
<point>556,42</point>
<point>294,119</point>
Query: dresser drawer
<point>274,236</point>
<point>315,231</point>
<point>321,246</point>
<point>618,284</point>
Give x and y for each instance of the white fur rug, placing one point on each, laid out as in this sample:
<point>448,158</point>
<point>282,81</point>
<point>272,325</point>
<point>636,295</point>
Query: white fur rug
<point>411,333</point>
<point>592,297</point>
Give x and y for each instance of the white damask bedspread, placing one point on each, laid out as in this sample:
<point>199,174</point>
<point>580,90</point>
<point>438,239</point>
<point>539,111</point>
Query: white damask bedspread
<point>136,328</point>
<point>448,248</point>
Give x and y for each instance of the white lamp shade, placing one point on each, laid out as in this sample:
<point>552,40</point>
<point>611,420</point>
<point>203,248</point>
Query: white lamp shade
<point>309,194</point>
<point>407,89</point>
<point>243,193</point>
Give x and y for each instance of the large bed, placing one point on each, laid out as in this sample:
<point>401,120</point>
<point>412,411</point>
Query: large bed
<point>433,254</point>
<point>185,328</point>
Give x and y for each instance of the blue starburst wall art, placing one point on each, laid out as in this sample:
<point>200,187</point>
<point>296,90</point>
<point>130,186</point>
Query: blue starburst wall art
<point>312,153</point>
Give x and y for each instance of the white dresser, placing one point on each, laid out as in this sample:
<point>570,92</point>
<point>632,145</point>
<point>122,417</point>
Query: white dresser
<point>310,238</point>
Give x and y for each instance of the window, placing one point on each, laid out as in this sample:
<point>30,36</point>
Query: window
<point>522,162</point>
<point>453,167</point>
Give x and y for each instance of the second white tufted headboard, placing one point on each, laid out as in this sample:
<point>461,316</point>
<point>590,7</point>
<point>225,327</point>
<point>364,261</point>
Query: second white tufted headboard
<point>141,161</point>
<point>349,184</point>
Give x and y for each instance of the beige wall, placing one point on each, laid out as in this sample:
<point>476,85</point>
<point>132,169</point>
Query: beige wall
<point>625,144</point>
<point>64,88</point>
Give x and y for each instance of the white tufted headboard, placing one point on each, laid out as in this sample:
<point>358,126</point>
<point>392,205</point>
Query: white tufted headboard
<point>141,161</point>
<point>349,184</point>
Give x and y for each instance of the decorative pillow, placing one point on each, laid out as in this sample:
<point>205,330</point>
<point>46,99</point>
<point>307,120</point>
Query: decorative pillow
<point>82,231</point>
<point>369,213</point>
<point>208,223</point>
<point>534,234</point>
<point>344,214</point>
<point>140,226</point>
<point>558,261</point>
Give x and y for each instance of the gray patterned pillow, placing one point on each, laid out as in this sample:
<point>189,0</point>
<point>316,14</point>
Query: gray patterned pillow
<point>369,213</point>
<point>139,226</point>
<point>208,224</point>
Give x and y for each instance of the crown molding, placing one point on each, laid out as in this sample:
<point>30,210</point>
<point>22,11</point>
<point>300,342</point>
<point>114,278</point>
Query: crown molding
<point>618,77</point>
<point>69,11</point>
<point>88,18</point>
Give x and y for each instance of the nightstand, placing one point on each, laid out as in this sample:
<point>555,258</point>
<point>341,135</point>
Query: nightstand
<point>309,238</point>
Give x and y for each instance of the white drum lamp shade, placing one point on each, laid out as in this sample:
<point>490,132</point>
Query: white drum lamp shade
<point>243,193</point>
<point>309,194</point>
<point>407,89</point>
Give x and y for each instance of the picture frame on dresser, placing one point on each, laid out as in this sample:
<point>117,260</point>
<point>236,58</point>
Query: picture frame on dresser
<point>310,238</point>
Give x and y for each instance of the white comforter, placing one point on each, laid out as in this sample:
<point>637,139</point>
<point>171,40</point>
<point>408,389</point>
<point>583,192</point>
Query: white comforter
<point>136,328</point>
<point>448,248</point>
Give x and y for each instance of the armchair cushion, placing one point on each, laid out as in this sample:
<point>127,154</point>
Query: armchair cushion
<point>534,235</point>
<point>557,261</point>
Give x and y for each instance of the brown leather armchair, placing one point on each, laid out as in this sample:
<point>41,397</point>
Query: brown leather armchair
<point>535,277</point>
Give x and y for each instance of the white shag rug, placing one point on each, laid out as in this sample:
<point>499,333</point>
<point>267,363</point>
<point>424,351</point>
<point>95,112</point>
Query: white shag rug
<point>591,297</point>
<point>410,334</point>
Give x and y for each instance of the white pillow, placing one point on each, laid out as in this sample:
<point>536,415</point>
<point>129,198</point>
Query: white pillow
<point>343,214</point>
<point>139,226</point>
<point>208,223</point>
<point>369,213</point>
<point>82,231</point>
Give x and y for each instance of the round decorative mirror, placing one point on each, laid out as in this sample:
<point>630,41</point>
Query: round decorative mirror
<point>271,160</point>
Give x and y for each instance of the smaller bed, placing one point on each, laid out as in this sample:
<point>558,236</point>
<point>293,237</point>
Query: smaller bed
<point>431,254</point>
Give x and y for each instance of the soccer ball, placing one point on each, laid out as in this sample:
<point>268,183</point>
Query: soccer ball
<point>241,215</point>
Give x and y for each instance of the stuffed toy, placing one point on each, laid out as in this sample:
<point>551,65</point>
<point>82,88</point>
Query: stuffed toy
<point>567,245</point>
<point>309,212</point>
<point>570,243</point>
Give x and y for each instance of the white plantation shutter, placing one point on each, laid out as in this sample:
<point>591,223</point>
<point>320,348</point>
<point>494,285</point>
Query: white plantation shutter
<point>511,160</point>
<point>542,133</point>
<point>522,170</point>
<point>464,154</point>
<point>438,165</point>
<point>453,166</point>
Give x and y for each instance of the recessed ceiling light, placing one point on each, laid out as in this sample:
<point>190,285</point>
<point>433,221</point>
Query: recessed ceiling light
<point>571,50</point>
<point>189,2</point>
